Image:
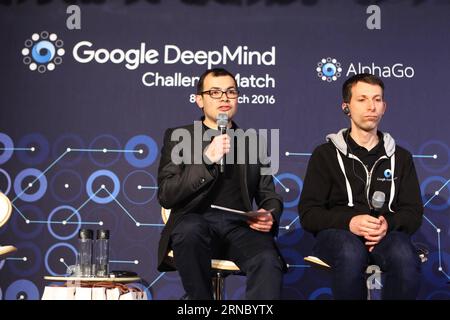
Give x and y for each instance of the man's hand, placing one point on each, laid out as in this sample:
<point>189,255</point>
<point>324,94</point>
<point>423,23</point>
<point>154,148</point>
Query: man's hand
<point>375,237</point>
<point>372,229</point>
<point>218,148</point>
<point>364,224</point>
<point>262,222</point>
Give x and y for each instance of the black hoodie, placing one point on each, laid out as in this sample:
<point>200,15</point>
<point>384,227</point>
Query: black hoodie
<point>338,186</point>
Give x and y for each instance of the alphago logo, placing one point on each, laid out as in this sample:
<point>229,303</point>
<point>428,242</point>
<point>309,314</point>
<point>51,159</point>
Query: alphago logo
<point>328,69</point>
<point>43,51</point>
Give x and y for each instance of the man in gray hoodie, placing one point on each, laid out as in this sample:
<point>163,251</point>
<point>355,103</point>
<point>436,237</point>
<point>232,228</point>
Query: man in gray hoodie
<point>361,199</point>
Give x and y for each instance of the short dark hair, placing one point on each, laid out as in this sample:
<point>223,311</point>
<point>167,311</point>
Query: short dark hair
<point>216,72</point>
<point>362,77</point>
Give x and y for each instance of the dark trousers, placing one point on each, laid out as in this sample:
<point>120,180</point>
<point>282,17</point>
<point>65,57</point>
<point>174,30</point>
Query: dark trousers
<point>349,258</point>
<point>198,238</point>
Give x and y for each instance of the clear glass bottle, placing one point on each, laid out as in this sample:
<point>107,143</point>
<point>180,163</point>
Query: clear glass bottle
<point>85,238</point>
<point>101,251</point>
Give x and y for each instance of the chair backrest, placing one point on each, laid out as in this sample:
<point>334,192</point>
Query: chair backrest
<point>165,213</point>
<point>5,213</point>
<point>5,209</point>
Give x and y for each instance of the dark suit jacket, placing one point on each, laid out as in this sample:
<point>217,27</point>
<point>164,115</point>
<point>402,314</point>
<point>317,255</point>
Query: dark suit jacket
<point>185,187</point>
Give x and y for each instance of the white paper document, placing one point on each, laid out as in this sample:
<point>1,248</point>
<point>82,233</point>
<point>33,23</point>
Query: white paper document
<point>249,214</point>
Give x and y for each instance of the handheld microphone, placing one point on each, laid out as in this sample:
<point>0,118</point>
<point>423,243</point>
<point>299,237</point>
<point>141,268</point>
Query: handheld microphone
<point>222,122</point>
<point>378,199</point>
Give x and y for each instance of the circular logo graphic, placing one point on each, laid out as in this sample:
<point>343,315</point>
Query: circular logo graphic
<point>328,69</point>
<point>43,51</point>
<point>387,173</point>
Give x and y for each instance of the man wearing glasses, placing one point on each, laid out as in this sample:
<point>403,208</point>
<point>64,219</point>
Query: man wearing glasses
<point>197,233</point>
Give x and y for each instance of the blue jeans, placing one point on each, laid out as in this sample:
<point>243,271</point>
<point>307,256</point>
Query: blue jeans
<point>348,256</point>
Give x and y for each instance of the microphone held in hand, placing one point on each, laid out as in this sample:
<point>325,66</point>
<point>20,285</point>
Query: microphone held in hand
<point>378,199</point>
<point>222,122</point>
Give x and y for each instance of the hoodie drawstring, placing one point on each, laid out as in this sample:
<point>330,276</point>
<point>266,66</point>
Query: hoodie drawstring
<point>347,183</point>
<point>391,198</point>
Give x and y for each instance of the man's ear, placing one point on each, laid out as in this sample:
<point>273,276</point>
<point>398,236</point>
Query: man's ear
<point>199,100</point>
<point>345,108</point>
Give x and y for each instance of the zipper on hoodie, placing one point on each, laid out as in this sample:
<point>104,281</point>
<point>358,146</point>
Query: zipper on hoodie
<point>368,175</point>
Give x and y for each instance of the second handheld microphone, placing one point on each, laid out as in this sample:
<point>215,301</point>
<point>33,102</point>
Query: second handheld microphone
<point>222,122</point>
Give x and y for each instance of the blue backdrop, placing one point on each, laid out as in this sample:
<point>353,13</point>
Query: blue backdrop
<point>78,105</point>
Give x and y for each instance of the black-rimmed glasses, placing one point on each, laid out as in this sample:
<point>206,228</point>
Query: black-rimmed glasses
<point>217,93</point>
